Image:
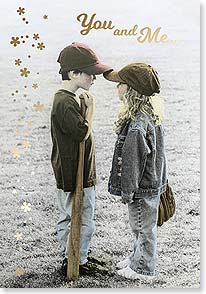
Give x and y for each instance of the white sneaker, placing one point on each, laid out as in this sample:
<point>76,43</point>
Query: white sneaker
<point>128,273</point>
<point>123,263</point>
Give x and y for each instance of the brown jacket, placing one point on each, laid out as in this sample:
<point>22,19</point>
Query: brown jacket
<point>68,129</point>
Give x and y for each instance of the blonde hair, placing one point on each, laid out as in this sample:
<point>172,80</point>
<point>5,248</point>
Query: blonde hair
<point>134,102</point>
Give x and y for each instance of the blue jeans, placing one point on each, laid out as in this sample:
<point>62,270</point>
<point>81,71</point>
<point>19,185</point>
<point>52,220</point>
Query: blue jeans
<point>64,205</point>
<point>143,214</point>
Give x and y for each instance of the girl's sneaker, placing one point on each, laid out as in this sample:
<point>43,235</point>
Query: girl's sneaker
<point>123,263</point>
<point>128,273</point>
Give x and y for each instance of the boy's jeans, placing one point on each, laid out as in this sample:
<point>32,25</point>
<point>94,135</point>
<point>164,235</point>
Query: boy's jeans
<point>64,205</point>
<point>143,214</point>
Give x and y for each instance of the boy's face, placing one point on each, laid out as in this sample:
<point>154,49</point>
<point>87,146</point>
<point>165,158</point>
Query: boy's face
<point>85,81</point>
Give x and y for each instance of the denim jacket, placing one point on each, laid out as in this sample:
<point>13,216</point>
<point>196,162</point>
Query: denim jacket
<point>139,161</point>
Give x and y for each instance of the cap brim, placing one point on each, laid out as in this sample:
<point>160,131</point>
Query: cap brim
<point>113,76</point>
<point>96,69</point>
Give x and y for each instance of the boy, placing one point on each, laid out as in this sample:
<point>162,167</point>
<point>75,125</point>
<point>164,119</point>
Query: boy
<point>78,67</point>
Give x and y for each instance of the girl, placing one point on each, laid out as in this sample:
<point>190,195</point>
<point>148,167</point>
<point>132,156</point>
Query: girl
<point>138,171</point>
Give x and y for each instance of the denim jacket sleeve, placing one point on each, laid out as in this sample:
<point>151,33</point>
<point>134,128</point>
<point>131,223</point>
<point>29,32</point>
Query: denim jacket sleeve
<point>134,156</point>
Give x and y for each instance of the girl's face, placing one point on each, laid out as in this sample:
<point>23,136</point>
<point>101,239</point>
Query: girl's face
<point>122,89</point>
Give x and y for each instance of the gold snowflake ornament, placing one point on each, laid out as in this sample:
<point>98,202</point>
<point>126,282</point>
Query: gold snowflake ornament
<point>15,152</point>
<point>21,10</point>
<point>29,123</point>
<point>15,41</point>
<point>35,86</point>
<point>26,144</point>
<point>18,62</point>
<point>19,272</point>
<point>19,236</point>
<point>35,36</point>
<point>38,106</point>
<point>24,72</point>
<point>26,207</point>
<point>40,46</point>
<point>14,192</point>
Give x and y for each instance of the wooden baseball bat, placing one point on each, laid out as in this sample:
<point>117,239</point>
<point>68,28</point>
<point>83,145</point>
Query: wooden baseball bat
<point>76,218</point>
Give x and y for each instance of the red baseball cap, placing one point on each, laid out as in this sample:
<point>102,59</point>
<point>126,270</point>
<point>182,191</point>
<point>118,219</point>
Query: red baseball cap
<point>78,56</point>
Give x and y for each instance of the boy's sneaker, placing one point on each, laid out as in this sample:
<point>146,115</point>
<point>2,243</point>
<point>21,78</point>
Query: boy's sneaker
<point>97,260</point>
<point>90,268</point>
<point>128,273</point>
<point>64,266</point>
<point>123,263</point>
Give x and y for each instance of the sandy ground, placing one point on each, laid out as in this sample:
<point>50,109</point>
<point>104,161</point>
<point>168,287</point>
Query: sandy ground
<point>34,260</point>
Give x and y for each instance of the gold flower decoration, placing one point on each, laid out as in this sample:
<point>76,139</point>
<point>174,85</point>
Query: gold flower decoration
<point>19,236</point>
<point>21,10</point>
<point>35,86</point>
<point>26,207</point>
<point>29,123</point>
<point>15,41</point>
<point>45,16</point>
<point>24,72</point>
<point>35,36</point>
<point>38,106</point>
<point>26,144</point>
<point>14,192</point>
<point>15,152</point>
<point>19,272</point>
<point>40,46</point>
<point>18,62</point>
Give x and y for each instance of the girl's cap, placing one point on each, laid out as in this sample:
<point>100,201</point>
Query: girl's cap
<point>140,76</point>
